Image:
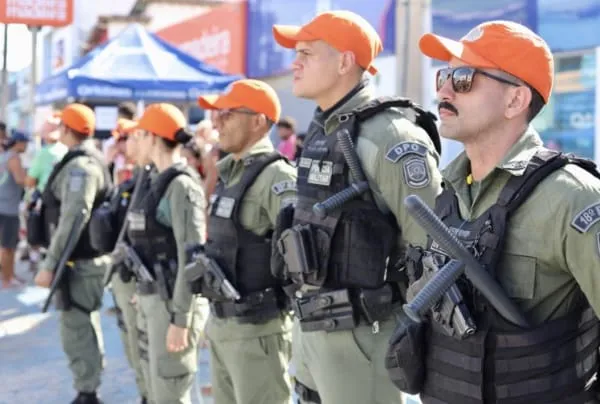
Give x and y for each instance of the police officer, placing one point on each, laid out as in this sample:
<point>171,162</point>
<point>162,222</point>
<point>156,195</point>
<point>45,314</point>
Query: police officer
<point>532,218</point>
<point>250,338</point>
<point>106,226</point>
<point>169,216</point>
<point>80,181</point>
<point>347,261</point>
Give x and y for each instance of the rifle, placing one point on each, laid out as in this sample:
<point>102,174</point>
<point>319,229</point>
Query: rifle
<point>205,270</point>
<point>118,258</point>
<point>63,264</point>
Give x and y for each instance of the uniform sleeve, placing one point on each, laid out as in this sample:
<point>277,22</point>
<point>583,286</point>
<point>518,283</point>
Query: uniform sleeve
<point>398,163</point>
<point>187,207</point>
<point>282,191</point>
<point>579,240</point>
<point>77,188</point>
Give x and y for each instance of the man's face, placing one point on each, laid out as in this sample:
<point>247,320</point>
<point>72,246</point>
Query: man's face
<point>465,115</point>
<point>234,128</point>
<point>315,69</point>
<point>20,147</point>
<point>284,133</point>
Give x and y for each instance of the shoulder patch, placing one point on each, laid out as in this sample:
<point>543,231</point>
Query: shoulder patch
<point>76,179</point>
<point>585,219</point>
<point>416,172</point>
<point>290,200</point>
<point>283,186</point>
<point>400,150</point>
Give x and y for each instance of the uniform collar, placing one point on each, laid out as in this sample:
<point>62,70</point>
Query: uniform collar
<point>359,95</point>
<point>227,164</point>
<point>514,162</point>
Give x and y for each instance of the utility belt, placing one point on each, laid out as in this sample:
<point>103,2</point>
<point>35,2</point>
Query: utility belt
<point>254,308</point>
<point>345,309</point>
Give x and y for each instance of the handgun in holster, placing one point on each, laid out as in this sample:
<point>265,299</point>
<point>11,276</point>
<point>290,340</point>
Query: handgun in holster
<point>450,312</point>
<point>298,247</point>
<point>162,282</point>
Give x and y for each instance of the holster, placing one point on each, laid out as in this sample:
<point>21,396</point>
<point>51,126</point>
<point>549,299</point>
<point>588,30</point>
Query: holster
<point>284,221</point>
<point>298,246</point>
<point>254,308</point>
<point>344,309</point>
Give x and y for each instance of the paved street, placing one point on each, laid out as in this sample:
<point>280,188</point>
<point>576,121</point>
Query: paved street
<point>33,368</point>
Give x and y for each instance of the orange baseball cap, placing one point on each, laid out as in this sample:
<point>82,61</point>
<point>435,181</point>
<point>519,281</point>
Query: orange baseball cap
<point>124,126</point>
<point>503,45</point>
<point>255,95</point>
<point>343,30</point>
<point>79,117</point>
<point>164,120</point>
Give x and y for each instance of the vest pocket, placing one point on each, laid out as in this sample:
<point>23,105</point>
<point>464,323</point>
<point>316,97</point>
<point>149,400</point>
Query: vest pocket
<point>367,244</point>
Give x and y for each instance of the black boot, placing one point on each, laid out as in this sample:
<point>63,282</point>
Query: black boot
<point>87,398</point>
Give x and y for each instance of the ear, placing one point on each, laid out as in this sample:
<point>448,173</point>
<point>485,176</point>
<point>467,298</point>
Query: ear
<point>517,101</point>
<point>259,122</point>
<point>347,62</point>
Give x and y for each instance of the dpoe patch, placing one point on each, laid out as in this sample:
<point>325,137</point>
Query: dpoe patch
<point>416,173</point>
<point>586,218</point>
<point>283,186</point>
<point>402,149</point>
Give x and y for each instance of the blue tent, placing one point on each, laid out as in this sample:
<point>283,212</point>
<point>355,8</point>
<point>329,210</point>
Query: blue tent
<point>135,65</point>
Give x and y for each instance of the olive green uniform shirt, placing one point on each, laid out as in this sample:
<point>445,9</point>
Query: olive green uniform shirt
<point>76,186</point>
<point>183,208</point>
<point>552,245</point>
<point>258,213</point>
<point>383,147</point>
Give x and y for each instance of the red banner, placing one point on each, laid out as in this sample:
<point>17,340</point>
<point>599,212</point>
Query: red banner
<point>216,37</point>
<point>56,13</point>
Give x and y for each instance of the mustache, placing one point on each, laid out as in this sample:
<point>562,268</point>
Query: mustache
<point>448,106</point>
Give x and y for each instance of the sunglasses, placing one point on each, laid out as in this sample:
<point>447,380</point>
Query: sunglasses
<point>462,78</point>
<point>225,114</point>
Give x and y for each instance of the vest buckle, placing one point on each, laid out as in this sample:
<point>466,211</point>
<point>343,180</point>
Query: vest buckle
<point>344,118</point>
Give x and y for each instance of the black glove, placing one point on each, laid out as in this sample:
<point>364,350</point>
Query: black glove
<point>405,358</point>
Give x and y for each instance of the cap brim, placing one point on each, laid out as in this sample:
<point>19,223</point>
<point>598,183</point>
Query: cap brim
<point>441,48</point>
<point>289,35</point>
<point>286,35</point>
<point>217,102</point>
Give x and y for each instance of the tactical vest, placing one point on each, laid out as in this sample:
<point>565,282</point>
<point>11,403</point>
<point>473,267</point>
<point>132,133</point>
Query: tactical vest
<point>502,363</point>
<point>51,205</point>
<point>244,257</point>
<point>106,221</point>
<point>153,241</point>
<point>355,244</point>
